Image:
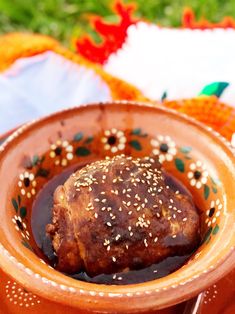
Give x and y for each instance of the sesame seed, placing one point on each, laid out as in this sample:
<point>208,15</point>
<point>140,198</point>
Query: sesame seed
<point>177,192</point>
<point>106,242</point>
<point>131,234</point>
<point>103,208</point>
<point>96,215</point>
<point>108,248</point>
<point>171,201</point>
<point>118,237</point>
<point>174,236</point>
<point>97,200</point>
<point>160,202</point>
<point>119,278</point>
<point>120,209</point>
<point>155,271</point>
<point>127,247</point>
<point>155,240</point>
<point>185,219</point>
<point>128,203</point>
<point>155,206</point>
<point>114,276</point>
<point>109,224</point>
<point>158,215</point>
<point>102,192</point>
<point>114,259</point>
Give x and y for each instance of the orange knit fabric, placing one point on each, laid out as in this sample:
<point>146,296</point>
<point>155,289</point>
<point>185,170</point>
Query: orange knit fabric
<point>19,45</point>
<point>207,109</point>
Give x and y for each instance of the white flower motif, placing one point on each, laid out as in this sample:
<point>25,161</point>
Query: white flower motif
<point>21,226</point>
<point>164,148</point>
<point>62,152</point>
<point>198,175</point>
<point>27,184</point>
<point>214,212</point>
<point>114,140</point>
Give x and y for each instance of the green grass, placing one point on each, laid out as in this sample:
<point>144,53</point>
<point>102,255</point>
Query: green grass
<point>64,19</point>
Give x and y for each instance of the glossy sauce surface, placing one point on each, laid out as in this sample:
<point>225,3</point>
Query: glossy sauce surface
<point>42,215</point>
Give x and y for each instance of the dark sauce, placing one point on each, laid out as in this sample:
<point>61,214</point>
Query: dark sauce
<point>42,215</point>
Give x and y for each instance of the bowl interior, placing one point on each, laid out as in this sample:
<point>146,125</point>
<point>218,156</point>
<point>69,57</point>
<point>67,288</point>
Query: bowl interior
<point>188,151</point>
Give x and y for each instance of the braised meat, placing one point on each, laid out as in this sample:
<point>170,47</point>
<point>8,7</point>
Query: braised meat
<point>118,214</point>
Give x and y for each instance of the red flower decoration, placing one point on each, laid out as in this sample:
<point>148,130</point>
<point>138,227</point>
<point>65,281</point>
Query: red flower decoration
<point>113,35</point>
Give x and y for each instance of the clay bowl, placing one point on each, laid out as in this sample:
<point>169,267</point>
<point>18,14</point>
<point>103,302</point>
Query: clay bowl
<point>198,157</point>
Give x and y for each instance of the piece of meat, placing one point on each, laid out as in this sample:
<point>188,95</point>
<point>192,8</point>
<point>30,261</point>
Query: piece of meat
<point>118,214</point>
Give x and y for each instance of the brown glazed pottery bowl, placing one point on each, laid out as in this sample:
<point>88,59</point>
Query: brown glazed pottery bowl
<point>194,154</point>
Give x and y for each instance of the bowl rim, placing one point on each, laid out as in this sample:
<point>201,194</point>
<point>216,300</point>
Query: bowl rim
<point>101,295</point>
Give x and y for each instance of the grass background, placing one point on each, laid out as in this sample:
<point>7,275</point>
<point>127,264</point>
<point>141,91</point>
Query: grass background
<point>64,19</point>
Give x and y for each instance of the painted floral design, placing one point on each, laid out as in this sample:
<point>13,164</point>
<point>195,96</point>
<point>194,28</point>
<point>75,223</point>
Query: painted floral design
<point>164,148</point>
<point>21,226</point>
<point>214,212</point>
<point>27,184</point>
<point>61,152</point>
<point>198,175</point>
<point>114,140</point>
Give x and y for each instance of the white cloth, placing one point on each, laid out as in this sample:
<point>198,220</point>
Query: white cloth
<point>39,85</point>
<point>179,62</point>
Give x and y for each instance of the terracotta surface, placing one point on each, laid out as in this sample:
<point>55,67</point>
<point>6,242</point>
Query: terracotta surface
<point>139,125</point>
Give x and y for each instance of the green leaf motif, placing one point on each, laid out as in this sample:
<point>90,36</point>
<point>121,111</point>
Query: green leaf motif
<point>27,245</point>
<point>77,137</point>
<point>15,204</point>
<point>35,160</point>
<point>19,200</point>
<point>207,235</point>
<point>215,230</point>
<point>185,149</point>
<point>215,88</point>
<point>136,131</point>
<point>42,172</point>
<point>82,151</point>
<point>136,145</point>
<point>23,212</point>
<point>214,189</point>
<point>179,165</point>
<point>206,191</point>
<point>89,140</point>
<point>164,96</point>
